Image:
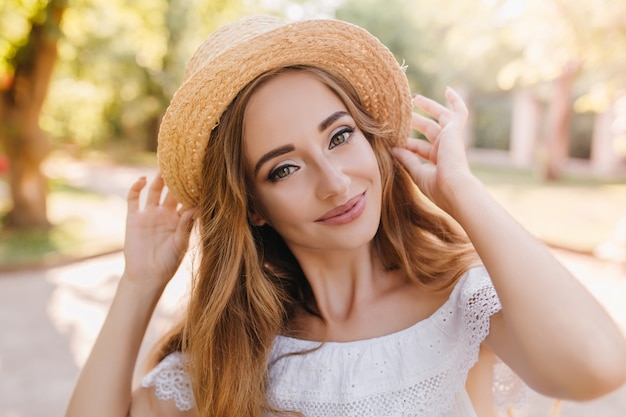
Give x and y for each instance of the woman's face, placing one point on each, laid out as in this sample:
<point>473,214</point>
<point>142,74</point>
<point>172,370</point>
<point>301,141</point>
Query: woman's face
<point>315,176</point>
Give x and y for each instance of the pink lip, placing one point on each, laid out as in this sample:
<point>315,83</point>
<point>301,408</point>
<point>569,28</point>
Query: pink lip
<point>345,213</point>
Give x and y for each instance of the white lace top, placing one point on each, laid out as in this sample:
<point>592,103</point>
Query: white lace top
<point>418,372</point>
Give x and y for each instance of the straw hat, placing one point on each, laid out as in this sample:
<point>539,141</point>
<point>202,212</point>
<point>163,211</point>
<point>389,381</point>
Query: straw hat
<point>237,53</point>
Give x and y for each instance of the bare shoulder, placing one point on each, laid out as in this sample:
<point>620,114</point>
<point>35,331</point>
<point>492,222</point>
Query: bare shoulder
<point>146,404</point>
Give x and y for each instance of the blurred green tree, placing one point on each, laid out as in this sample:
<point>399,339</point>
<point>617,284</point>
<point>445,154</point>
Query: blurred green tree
<point>26,71</point>
<point>443,42</point>
<point>118,65</point>
<point>121,62</point>
<point>392,21</point>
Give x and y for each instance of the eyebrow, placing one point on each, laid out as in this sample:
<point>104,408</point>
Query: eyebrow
<point>332,118</point>
<point>273,154</point>
<point>290,148</point>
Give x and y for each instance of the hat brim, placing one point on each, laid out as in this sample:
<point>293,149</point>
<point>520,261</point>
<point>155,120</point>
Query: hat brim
<point>340,48</point>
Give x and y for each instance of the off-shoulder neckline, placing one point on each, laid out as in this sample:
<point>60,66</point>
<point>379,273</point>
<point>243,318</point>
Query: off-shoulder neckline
<point>306,344</point>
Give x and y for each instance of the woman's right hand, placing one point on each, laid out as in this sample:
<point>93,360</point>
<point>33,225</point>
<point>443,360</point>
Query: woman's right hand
<point>157,235</point>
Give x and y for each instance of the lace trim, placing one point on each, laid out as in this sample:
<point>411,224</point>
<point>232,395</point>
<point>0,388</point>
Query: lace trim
<point>171,380</point>
<point>509,391</point>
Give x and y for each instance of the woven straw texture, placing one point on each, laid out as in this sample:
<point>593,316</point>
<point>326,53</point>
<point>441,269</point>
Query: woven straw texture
<point>237,53</point>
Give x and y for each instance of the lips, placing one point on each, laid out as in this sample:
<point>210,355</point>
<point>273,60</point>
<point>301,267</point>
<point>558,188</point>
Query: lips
<point>345,212</point>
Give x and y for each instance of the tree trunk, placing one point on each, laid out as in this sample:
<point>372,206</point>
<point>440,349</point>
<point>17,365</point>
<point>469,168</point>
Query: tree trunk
<point>524,128</point>
<point>556,138</point>
<point>26,145</point>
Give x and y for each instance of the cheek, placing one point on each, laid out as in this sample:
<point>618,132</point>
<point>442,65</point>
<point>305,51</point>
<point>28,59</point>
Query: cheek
<point>368,162</point>
<point>279,207</point>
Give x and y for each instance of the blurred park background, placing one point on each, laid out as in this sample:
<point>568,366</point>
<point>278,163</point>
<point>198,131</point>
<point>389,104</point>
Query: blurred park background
<point>88,81</point>
<point>84,83</point>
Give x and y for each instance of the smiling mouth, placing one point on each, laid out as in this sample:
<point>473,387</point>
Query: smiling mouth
<point>344,209</point>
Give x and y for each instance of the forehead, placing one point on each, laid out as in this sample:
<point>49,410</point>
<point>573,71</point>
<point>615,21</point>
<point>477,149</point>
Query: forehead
<point>288,95</point>
<point>286,108</point>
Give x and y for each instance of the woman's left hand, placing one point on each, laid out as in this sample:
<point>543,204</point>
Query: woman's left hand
<point>540,298</point>
<point>438,165</point>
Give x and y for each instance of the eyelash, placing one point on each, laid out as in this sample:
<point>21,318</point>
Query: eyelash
<point>343,131</point>
<point>274,174</point>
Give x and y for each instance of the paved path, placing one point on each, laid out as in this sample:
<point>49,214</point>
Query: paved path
<point>49,319</point>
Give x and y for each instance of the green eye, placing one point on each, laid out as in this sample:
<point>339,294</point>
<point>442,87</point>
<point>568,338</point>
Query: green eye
<point>282,172</point>
<point>340,137</point>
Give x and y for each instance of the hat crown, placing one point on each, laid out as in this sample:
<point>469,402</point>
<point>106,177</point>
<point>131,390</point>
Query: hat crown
<point>228,37</point>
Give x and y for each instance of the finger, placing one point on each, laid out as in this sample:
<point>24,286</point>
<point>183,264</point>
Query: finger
<point>459,109</point>
<point>134,193</point>
<point>183,230</point>
<point>408,160</point>
<point>417,169</point>
<point>426,126</point>
<point>405,157</point>
<point>170,201</point>
<point>155,190</point>
<point>431,107</point>
<point>421,147</point>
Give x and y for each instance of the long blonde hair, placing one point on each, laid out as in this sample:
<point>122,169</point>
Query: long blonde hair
<point>248,284</point>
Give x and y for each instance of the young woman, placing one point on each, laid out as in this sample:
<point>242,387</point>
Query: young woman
<point>328,283</point>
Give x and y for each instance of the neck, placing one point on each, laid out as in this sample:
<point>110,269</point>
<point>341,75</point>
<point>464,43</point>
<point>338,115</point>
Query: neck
<point>358,299</point>
<point>344,281</point>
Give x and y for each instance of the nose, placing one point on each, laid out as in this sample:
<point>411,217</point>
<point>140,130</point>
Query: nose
<point>331,180</point>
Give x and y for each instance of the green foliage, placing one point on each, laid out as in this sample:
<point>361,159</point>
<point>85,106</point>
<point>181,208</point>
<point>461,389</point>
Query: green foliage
<point>120,63</point>
<point>16,17</point>
<point>74,235</point>
<point>443,42</point>
<point>488,46</point>
<point>589,33</point>
<point>395,24</point>
<point>100,86</point>
<point>25,247</point>
<point>488,113</point>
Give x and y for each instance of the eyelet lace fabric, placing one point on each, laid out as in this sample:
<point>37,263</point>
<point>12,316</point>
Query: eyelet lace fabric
<point>417,372</point>
<point>171,381</point>
<point>509,391</point>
